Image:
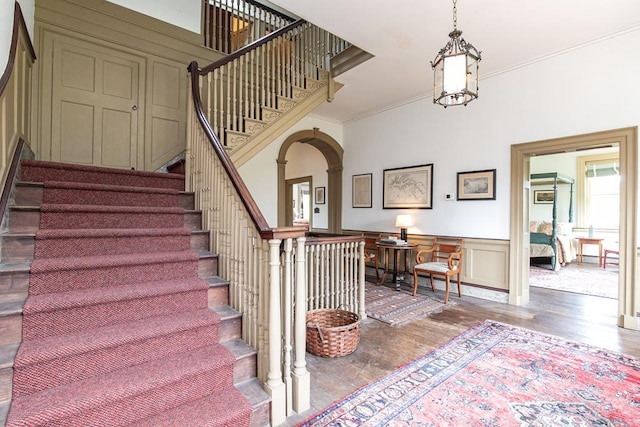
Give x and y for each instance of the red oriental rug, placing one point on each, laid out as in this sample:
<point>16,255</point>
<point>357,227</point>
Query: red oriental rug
<point>499,375</point>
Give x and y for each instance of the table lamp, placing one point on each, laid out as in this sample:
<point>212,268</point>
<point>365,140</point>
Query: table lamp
<point>402,222</point>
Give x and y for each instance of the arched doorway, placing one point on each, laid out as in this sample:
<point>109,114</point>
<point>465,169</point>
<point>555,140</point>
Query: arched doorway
<point>332,152</point>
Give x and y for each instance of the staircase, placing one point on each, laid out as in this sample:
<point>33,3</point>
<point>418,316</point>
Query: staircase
<point>126,321</point>
<point>254,95</point>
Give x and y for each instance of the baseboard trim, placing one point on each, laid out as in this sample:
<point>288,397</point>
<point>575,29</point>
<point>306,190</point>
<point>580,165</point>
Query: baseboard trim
<point>496,295</point>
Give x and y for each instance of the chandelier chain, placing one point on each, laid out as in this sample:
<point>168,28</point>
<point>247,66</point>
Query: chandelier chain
<point>455,14</point>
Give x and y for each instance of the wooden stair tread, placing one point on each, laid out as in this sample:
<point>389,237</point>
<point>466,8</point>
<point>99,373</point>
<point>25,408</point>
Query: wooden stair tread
<point>8,355</point>
<point>19,267</point>
<point>225,312</point>
<point>215,281</point>
<point>239,348</point>
<point>12,304</point>
<point>254,392</point>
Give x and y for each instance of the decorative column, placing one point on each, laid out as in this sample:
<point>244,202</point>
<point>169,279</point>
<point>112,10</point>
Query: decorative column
<point>301,377</point>
<point>287,306</point>
<point>282,193</point>
<point>274,386</point>
<point>334,198</point>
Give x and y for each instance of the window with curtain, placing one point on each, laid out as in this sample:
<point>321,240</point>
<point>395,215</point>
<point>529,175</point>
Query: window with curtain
<point>601,192</point>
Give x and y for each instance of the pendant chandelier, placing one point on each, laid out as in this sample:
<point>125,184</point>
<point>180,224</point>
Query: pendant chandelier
<point>455,70</point>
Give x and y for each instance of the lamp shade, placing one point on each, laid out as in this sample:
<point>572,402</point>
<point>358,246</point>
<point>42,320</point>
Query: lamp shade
<point>403,221</point>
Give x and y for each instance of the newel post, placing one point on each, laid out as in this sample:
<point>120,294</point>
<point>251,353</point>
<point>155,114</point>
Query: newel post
<point>301,377</point>
<point>274,386</point>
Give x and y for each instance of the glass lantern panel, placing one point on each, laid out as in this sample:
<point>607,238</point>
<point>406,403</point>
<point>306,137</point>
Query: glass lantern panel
<point>472,75</point>
<point>455,73</point>
<point>438,79</point>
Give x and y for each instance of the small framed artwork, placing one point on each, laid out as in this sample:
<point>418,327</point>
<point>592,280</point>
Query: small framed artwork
<point>408,188</point>
<point>361,191</point>
<point>477,185</point>
<point>319,195</point>
<point>543,196</point>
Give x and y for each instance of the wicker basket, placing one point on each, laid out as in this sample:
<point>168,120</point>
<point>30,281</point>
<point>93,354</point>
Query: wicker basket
<point>332,332</point>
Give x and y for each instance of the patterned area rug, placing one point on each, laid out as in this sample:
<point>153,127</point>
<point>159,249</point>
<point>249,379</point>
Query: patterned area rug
<point>398,308</point>
<point>587,279</point>
<point>499,375</point>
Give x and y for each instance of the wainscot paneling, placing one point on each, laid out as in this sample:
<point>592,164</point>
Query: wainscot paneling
<point>485,266</point>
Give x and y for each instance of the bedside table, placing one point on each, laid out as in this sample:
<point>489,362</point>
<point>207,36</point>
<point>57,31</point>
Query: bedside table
<point>590,241</point>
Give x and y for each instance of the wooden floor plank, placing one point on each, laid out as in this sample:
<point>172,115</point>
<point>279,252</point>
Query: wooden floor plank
<point>384,348</point>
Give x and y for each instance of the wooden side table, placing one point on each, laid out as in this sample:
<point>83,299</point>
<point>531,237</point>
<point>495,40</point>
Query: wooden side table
<point>395,249</point>
<point>590,241</point>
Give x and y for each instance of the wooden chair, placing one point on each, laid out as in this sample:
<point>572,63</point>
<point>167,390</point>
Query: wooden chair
<point>371,253</point>
<point>444,258</point>
<point>608,252</point>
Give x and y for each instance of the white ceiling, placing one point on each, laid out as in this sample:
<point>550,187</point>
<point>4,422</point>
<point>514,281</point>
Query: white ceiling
<point>405,36</point>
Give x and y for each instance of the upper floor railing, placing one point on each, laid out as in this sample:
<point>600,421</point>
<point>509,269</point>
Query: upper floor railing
<point>229,25</point>
<point>243,92</point>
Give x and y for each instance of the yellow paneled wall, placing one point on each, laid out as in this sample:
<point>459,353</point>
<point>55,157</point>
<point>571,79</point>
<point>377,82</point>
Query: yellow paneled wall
<point>15,94</point>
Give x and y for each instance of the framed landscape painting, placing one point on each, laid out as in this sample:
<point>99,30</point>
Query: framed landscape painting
<point>477,185</point>
<point>543,196</point>
<point>408,188</point>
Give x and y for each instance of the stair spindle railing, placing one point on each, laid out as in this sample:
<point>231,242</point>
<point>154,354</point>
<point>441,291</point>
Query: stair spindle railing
<point>248,257</point>
<point>246,90</point>
<point>229,25</point>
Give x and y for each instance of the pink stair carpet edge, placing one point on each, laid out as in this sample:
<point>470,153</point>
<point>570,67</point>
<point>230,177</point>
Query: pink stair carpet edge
<point>107,197</point>
<point>131,393</point>
<point>49,363</point>
<point>44,324</point>
<point>38,171</point>
<point>220,410</point>
<point>109,244</point>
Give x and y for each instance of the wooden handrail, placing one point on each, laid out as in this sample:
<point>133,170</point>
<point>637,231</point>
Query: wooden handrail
<point>270,10</point>
<point>315,240</point>
<point>260,223</point>
<point>18,21</point>
<point>11,177</point>
<point>238,53</point>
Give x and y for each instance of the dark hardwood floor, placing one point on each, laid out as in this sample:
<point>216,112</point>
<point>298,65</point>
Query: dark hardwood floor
<point>383,348</point>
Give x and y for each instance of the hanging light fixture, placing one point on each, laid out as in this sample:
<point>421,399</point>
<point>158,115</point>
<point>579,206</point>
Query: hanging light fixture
<point>455,69</point>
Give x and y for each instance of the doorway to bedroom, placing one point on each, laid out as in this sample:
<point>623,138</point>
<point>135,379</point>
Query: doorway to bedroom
<point>628,304</point>
<point>574,212</point>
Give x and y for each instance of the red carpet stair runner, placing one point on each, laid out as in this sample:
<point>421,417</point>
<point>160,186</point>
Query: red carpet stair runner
<point>117,328</point>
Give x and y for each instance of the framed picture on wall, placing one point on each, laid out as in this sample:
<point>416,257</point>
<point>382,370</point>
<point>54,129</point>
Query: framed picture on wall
<point>320,196</point>
<point>543,197</point>
<point>477,185</point>
<point>361,191</point>
<point>408,188</point>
